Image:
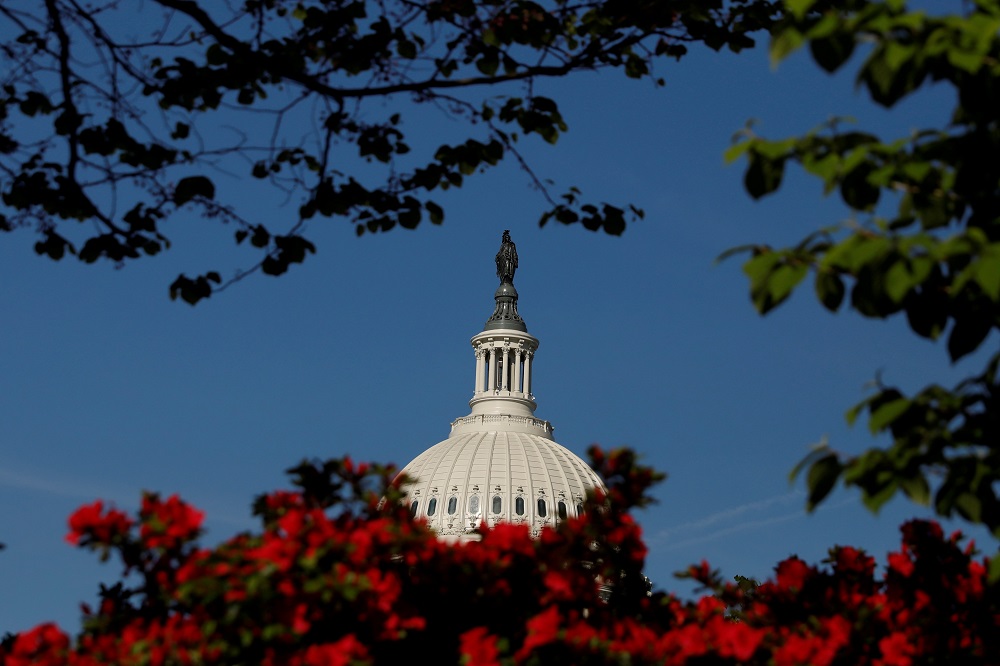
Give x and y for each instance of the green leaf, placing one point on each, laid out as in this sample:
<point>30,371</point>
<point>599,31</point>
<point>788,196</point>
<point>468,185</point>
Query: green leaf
<point>898,280</point>
<point>825,167</point>
<point>192,291</point>
<point>763,175</point>
<point>886,413</point>
<point>986,271</point>
<point>759,266</point>
<point>798,8</point>
<point>191,187</point>
<point>735,151</point>
<point>489,63</point>
<point>772,280</point>
<point>851,415</point>
<point>968,333</point>
<point>406,49</point>
<point>857,191</point>
<point>822,476</point>
<point>434,212</point>
<point>873,499</point>
<point>969,507</point>
<point>994,568</point>
<point>784,43</point>
<point>961,58</point>
<point>833,51</point>
<point>917,489</point>
<point>928,315</point>
<point>829,289</point>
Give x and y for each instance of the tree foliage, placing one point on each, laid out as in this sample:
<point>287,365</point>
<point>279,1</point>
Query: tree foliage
<point>338,573</point>
<point>923,241</point>
<point>121,115</point>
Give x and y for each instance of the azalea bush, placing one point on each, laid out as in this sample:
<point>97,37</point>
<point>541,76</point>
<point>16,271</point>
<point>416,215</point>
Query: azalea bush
<point>338,573</point>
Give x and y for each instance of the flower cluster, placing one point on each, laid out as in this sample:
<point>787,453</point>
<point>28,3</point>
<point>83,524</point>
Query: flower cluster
<point>335,576</point>
<point>168,525</point>
<point>92,524</point>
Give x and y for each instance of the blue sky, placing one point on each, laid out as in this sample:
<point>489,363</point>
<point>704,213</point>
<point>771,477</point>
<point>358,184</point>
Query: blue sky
<point>111,388</point>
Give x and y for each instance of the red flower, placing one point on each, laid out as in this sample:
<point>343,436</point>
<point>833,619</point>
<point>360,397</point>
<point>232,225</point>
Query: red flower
<point>798,651</point>
<point>542,629</point>
<point>508,538</point>
<point>560,586</point>
<point>736,640</point>
<point>479,648</point>
<point>853,560</point>
<point>45,645</point>
<point>683,643</point>
<point>168,524</point>
<point>901,564</point>
<point>792,574</point>
<point>897,650</point>
<point>91,521</point>
<point>339,653</point>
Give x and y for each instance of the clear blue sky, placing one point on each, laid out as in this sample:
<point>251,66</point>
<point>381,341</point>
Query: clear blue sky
<point>110,388</point>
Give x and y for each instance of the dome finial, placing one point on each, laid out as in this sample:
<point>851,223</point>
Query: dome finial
<point>506,259</point>
<point>505,314</point>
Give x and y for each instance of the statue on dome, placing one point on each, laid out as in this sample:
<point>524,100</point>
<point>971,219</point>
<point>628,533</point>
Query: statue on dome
<point>506,259</point>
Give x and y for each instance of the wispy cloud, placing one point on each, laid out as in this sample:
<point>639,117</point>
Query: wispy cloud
<point>87,492</point>
<point>56,487</point>
<point>741,518</point>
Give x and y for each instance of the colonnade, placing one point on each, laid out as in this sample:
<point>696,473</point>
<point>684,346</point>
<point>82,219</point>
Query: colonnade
<point>503,369</point>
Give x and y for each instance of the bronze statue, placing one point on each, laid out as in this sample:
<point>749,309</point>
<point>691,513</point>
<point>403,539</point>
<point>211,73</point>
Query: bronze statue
<point>506,259</point>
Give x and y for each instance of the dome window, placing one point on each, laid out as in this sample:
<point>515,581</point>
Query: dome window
<point>519,506</point>
<point>541,508</point>
<point>497,504</point>
<point>452,505</point>
<point>432,506</point>
<point>413,508</point>
<point>579,509</point>
<point>474,504</point>
<point>561,508</point>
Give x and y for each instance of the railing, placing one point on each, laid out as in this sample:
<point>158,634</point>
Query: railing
<point>482,419</point>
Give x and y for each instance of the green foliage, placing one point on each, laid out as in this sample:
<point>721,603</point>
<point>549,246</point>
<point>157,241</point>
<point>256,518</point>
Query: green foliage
<point>103,111</point>
<point>924,241</point>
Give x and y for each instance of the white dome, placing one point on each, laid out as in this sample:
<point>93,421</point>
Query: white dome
<point>497,475</point>
<point>500,463</point>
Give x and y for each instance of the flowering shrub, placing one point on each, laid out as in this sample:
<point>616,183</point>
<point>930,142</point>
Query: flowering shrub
<point>336,576</point>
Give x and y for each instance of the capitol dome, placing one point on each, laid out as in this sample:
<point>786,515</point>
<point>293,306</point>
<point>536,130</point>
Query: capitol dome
<point>500,463</point>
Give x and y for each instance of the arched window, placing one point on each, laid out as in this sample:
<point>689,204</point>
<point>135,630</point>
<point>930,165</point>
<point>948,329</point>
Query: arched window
<point>452,505</point>
<point>561,508</point>
<point>541,508</point>
<point>497,504</point>
<point>579,509</point>
<point>474,504</point>
<point>413,508</point>
<point>432,506</point>
<point>519,506</point>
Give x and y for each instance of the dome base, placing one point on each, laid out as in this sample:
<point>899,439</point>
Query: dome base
<point>528,425</point>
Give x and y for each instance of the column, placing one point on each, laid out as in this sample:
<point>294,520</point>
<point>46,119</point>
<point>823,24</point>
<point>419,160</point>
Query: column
<point>504,380</point>
<point>527,372</point>
<point>492,381</point>
<point>479,371</point>
<point>516,371</point>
